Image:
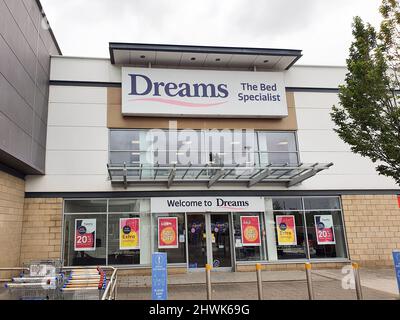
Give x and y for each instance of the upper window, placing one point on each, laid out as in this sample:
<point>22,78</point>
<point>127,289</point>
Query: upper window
<point>322,203</point>
<point>200,147</point>
<point>85,206</point>
<point>278,148</point>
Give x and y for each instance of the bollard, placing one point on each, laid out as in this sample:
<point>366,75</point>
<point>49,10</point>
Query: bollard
<point>208,281</point>
<point>259,281</point>
<point>357,280</point>
<point>309,281</point>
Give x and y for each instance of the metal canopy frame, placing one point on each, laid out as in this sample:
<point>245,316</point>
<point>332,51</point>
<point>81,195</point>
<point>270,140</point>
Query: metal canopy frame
<point>290,175</point>
<point>116,48</point>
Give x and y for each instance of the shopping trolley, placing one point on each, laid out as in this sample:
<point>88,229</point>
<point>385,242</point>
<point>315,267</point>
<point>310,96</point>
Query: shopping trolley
<point>85,284</point>
<point>42,282</point>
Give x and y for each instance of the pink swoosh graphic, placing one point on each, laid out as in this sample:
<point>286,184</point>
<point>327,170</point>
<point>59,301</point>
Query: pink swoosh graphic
<point>234,209</point>
<point>179,103</point>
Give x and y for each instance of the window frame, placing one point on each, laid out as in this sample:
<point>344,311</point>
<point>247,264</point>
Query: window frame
<point>231,215</point>
<point>203,138</point>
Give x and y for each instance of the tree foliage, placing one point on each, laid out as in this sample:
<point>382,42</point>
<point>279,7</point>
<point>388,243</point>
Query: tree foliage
<point>368,118</point>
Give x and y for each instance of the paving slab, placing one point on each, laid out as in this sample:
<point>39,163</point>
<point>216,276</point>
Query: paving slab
<point>294,290</point>
<point>218,277</point>
<point>377,279</point>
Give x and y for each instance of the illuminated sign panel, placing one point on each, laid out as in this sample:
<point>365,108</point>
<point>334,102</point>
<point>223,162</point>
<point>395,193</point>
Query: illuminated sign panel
<point>203,93</point>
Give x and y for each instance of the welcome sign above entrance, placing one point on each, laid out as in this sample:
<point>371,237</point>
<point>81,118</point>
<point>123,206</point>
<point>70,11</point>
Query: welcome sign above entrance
<point>203,93</point>
<point>207,204</point>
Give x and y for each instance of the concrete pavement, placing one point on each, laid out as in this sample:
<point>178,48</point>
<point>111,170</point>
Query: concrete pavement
<point>284,285</point>
<point>378,284</point>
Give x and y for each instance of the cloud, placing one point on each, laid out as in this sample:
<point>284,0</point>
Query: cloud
<point>321,28</point>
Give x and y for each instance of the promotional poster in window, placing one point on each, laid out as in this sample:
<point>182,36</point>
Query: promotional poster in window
<point>324,230</point>
<point>85,235</point>
<point>250,231</point>
<point>168,233</point>
<point>129,234</point>
<point>286,230</point>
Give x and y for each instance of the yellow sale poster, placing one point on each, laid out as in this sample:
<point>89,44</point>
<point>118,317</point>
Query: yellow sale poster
<point>129,237</point>
<point>286,230</point>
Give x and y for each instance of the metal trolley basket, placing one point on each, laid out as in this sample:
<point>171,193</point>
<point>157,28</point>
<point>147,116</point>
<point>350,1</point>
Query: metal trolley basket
<point>42,282</point>
<point>85,284</point>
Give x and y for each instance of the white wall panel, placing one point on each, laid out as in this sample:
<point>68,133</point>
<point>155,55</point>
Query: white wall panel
<point>76,162</point>
<point>77,115</point>
<point>321,141</point>
<point>347,182</point>
<point>314,119</point>
<point>84,69</point>
<point>81,95</point>
<point>315,76</point>
<point>68,183</point>
<point>77,138</point>
<point>344,162</point>
<point>315,100</point>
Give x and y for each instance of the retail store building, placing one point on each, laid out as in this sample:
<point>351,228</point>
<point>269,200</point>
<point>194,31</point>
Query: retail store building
<point>215,155</point>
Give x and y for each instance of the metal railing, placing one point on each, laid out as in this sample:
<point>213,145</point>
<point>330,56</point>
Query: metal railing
<point>184,157</point>
<point>309,281</point>
<point>110,292</point>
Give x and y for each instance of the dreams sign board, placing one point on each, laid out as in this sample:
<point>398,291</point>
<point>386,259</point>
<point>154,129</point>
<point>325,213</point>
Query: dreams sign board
<point>203,93</point>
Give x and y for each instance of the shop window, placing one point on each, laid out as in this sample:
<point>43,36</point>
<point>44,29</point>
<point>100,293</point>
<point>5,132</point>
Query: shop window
<point>130,147</point>
<point>127,140</point>
<point>321,203</point>
<point>188,147</point>
<point>169,235</point>
<point>290,238</point>
<point>85,206</point>
<point>278,148</point>
<point>85,240</point>
<point>247,251</point>
<point>122,205</point>
<point>231,147</point>
<point>325,234</point>
<point>287,204</point>
<point>129,241</point>
<point>319,231</point>
<point>217,147</point>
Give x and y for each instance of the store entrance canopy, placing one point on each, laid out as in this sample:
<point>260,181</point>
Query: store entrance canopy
<point>197,57</point>
<point>290,175</point>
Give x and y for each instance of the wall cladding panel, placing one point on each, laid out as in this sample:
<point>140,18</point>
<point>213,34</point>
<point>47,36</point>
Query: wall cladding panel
<point>25,49</point>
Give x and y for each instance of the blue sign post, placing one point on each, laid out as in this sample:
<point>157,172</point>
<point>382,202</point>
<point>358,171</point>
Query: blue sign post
<point>159,276</point>
<point>396,259</point>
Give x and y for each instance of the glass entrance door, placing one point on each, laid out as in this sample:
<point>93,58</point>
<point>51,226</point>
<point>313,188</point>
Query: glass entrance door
<point>220,241</point>
<point>209,241</point>
<point>197,240</point>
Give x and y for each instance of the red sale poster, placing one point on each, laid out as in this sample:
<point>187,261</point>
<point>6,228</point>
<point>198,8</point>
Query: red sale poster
<point>168,233</point>
<point>398,200</point>
<point>250,226</point>
<point>85,235</point>
<point>324,230</point>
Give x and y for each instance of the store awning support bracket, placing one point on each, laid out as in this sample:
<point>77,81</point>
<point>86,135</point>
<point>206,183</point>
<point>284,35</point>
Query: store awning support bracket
<point>109,172</point>
<point>260,176</point>
<point>171,176</point>
<point>214,179</point>
<point>125,170</point>
<point>311,173</point>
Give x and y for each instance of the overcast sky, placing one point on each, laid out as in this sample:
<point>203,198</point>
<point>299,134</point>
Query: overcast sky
<point>321,28</point>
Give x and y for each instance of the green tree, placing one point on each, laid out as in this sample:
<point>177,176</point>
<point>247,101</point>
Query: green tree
<point>368,118</point>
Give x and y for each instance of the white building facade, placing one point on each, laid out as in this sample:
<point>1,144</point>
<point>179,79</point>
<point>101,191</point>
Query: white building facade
<point>156,149</point>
